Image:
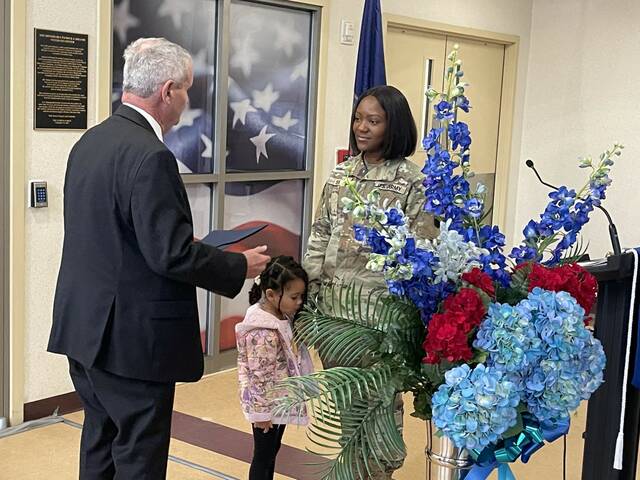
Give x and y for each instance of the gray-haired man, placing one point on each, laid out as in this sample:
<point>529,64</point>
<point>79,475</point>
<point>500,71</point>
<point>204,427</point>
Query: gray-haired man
<point>125,311</point>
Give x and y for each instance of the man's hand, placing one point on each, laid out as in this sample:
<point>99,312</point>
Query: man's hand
<point>256,261</point>
<point>264,426</point>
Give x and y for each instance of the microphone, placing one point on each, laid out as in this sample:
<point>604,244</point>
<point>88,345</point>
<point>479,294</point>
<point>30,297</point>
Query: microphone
<point>613,232</point>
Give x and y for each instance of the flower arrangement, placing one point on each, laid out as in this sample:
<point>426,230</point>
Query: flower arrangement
<point>494,346</point>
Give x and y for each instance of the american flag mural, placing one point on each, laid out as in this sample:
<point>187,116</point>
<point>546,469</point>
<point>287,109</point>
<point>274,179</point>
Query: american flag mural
<point>267,117</point>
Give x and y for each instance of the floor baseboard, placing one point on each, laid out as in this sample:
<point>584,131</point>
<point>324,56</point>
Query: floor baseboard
<point>65,403</point>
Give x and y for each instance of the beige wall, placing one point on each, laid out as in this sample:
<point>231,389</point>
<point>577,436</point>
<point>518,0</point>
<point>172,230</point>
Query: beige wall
<point>45,158</point>
<point>581,97</point>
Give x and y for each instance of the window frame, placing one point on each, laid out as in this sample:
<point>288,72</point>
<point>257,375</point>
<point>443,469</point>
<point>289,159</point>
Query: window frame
<point>5,42</point>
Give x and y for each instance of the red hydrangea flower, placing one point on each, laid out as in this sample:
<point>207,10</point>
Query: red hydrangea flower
<point>570,278</point>
<point>481,280</point>
<point>468,303</point>
<point>448,332</point>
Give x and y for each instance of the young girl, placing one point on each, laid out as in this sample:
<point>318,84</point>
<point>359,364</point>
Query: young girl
<point>267,354</point>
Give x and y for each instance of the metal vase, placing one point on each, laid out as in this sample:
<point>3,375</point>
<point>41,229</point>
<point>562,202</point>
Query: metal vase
<point>445,461</point>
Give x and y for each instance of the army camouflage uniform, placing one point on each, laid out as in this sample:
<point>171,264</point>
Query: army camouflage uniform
<point>334,255</point>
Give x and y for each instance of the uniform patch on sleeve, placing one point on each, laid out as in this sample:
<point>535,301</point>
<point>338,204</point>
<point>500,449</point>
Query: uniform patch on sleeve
<point>335,181</point>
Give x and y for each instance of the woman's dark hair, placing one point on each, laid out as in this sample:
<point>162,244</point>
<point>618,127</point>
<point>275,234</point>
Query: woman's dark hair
<point>400,135</point>
<point>279,271</point>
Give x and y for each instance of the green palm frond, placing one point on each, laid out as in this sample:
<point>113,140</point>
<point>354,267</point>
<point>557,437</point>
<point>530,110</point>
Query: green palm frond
<point>518,287</point>
<point>353,421</point>
<point>339,385</point>
<point>376,338</point>
<point>358,439</point>
<point>345,342</point>
<point>352,325</point>
<point>575,252</point>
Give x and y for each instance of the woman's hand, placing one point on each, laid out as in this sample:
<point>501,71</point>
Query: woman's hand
<point>265,426</point>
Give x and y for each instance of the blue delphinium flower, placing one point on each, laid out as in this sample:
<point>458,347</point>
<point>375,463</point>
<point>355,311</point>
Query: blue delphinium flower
<point>360,232</point>
<point>442,187</point>
<point>494,263</point>
<point>439,163</point>
<point>524,253</point>
<point>444,110</point>
<point>432,138</point>
<point>463,103</point>
<point>377,242</point>
<point>432,269</point>
<point>566,213</point>
<point>473,207</point>
<point>448,194</point>
<point>374,239</point>
<point>459,135</point>
<point>530,231</point>
<point>395,217</point>
<point>475,407</point>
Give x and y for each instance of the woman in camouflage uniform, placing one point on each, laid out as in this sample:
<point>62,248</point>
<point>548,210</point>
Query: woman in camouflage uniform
<point>383,134</point>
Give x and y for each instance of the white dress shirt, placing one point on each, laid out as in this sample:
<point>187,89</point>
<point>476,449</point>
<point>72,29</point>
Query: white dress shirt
<point>152,121</point>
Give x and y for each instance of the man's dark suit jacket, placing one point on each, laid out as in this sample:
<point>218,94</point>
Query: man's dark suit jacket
<point>125,300</point>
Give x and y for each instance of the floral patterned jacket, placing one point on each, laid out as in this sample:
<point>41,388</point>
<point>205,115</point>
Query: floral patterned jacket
<point>266,356</point>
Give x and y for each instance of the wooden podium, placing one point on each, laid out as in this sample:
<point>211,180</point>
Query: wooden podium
<point>603,414</point>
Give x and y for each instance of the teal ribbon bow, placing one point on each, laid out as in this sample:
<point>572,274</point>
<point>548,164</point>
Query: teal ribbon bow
<point>522,446</point>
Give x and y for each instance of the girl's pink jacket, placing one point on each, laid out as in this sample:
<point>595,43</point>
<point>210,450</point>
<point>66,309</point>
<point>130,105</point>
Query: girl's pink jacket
<point>266,356</point>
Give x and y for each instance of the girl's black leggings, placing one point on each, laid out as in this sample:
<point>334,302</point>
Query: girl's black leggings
<point>265,449</point>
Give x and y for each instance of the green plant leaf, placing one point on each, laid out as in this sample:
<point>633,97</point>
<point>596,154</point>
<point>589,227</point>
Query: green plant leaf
<point>351,326</point>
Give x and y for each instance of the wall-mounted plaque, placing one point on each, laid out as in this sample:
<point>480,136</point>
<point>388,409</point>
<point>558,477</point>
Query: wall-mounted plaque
<point>60,93</point>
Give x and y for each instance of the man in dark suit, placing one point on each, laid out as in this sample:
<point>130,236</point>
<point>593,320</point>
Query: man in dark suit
<point>125,311</point>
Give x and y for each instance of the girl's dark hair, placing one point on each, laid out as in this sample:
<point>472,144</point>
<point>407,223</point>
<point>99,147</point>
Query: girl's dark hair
<point>279,271</point>
<point>401,135</point>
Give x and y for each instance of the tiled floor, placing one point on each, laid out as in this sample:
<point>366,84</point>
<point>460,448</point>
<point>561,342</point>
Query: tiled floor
<point>212,406</point>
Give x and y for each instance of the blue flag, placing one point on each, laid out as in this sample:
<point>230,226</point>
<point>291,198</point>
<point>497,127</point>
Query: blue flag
<point>370,67</point>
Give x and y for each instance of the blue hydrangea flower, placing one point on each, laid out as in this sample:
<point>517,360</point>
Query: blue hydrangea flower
<point>475,407</point>
<point>509,337</point>
<point>573,364</point>
<point>543,347</point>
